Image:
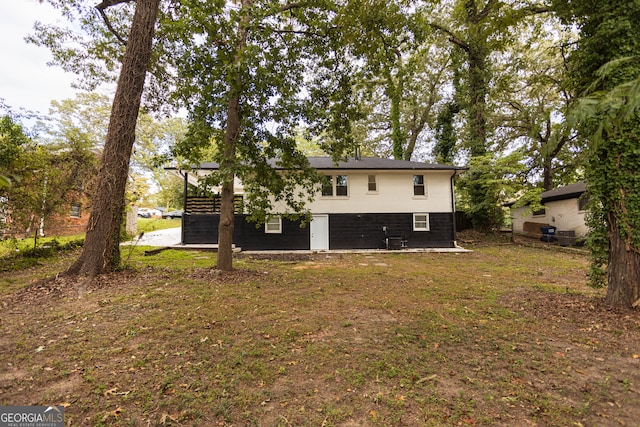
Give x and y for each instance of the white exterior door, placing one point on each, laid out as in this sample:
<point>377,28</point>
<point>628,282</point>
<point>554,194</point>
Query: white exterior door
<point>319,233</point>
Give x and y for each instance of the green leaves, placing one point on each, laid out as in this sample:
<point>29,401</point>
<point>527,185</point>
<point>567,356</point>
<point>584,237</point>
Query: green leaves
<point>4,181</point>
<point>285,68</point>
<point>607,71</point>
<point>491,179</point>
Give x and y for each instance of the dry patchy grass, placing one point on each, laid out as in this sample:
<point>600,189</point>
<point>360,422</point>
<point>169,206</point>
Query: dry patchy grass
<point>507,335</point>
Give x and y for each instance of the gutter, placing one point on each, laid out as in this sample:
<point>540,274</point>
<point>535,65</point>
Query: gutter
<point>453,209</point>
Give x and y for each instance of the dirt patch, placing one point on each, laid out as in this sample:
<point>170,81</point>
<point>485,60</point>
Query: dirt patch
<point>596,348</point>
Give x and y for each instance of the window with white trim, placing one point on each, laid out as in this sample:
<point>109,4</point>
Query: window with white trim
<point>372,184</point>
<point>273,225</point>
<point>341,185</point>
<point>420,222</point>
<point>419,188</point>
<point>327,186</point>
<point>337,185</point>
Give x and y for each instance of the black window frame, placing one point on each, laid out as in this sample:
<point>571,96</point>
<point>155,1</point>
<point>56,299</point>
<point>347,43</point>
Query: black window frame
<point>327,186</point>
<point>419,186</point>
<point>342,186</point>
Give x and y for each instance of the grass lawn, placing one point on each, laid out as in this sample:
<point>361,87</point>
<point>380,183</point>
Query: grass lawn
<point>508,335</point>
<point>11,246</point>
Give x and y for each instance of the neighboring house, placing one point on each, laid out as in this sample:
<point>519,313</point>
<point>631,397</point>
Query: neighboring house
<point>73,222</point>
<point>563,208</point>
<point>371,203</point>
<point>72,219</point>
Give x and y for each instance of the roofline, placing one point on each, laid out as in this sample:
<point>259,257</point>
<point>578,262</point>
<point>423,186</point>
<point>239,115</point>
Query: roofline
<point>555,196</point>
<point>348,165</point>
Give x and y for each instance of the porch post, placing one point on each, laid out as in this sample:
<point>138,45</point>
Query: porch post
<point>184,207</point>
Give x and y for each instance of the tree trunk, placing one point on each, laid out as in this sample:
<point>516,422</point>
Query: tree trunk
<point>623,289</point>
<point>232,133</point>
<point>227,209</point>
<point>411,146</point>
<point>101,251</point>
<point>394,92</point>
<point>482,219</point>
<point>547,173</point>
<point>477,101</point>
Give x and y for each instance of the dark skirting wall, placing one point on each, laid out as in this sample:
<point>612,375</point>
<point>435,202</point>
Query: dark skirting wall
<point>203,229</point>
<point>250,238</point>
<point>346,231</point>
<point>366,231</point>
<point>200,229</point>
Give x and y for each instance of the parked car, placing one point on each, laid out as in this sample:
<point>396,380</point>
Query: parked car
<point>144,213</point>
<point>172,214</point>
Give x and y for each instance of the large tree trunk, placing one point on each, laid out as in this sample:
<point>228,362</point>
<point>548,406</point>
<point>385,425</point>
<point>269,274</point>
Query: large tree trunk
<point>394,91</point>
<point>623,288</point>
<point>482,219</point>
<point>547,173</point>
<point>477,101</point>
<point>101,248</point>
<point>232,133</point>
<point>227,208</point>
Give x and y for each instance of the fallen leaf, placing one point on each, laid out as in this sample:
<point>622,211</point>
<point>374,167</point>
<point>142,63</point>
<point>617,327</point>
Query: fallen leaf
<point>115,413</point>
<point>167,419</point>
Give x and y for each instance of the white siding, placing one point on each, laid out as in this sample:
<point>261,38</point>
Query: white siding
<point>394,194</point>
<point>562,214</point>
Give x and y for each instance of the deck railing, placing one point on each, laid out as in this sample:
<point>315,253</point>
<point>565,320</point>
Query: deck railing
<point>197,205</point>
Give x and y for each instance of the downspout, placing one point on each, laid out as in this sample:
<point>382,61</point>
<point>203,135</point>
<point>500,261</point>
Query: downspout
<point>453,209</point>
<point>184,207</point>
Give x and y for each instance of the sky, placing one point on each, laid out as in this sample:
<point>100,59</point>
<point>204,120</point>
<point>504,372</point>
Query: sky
<point>25,79</point>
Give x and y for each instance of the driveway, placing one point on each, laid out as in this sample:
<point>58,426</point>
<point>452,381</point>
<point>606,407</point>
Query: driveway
<point>167,237</point>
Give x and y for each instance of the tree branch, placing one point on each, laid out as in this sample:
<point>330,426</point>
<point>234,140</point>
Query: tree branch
<point>290,6</point>
<point>108,3</point>
<point>297,32</point>
<point>539,9</point>
<point>452,37</point>
<point>485,12</point>
<point>101,8</point>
